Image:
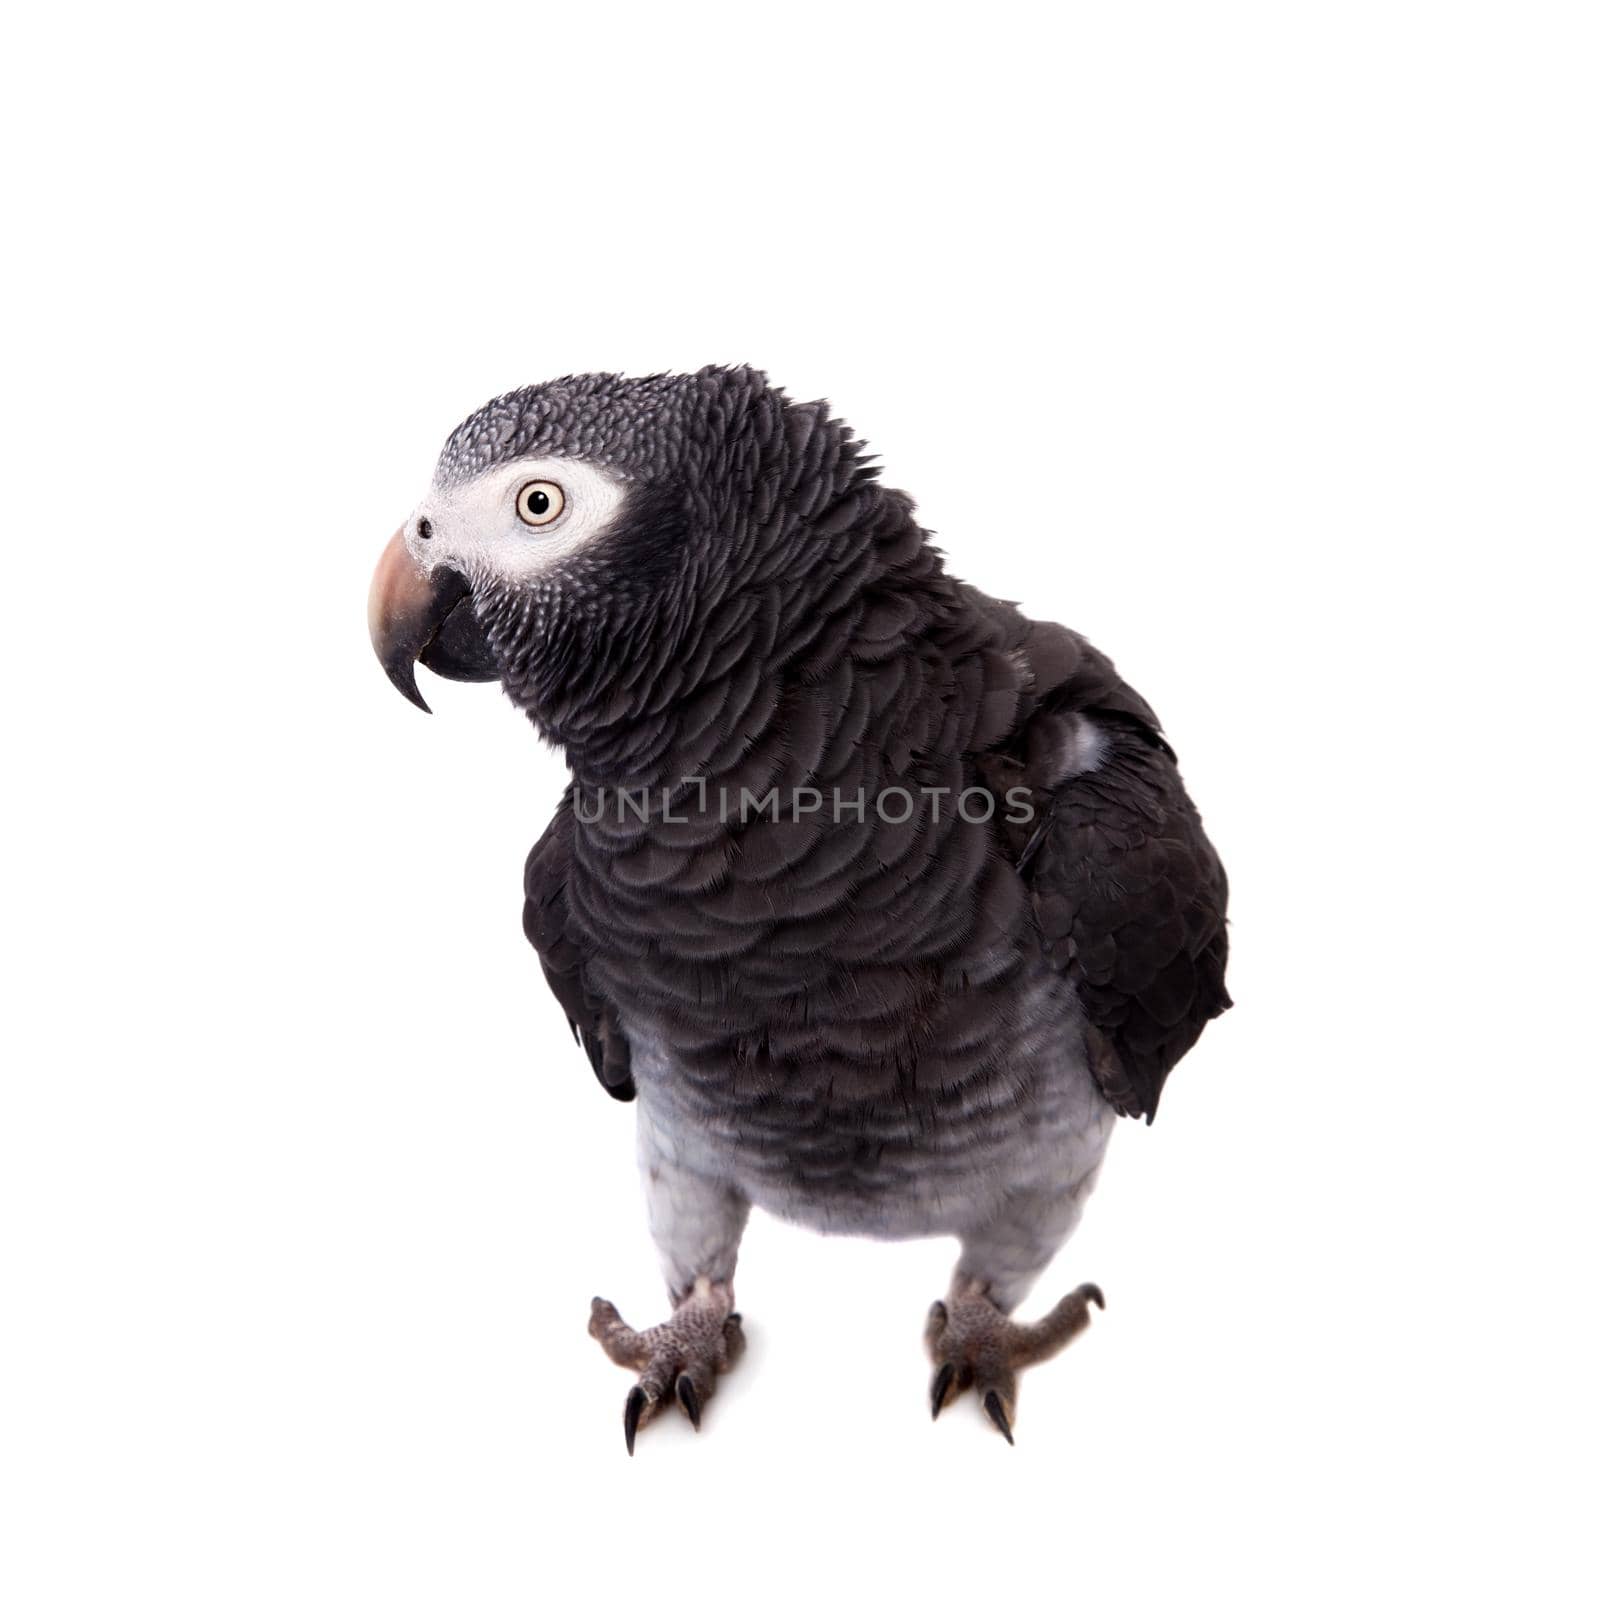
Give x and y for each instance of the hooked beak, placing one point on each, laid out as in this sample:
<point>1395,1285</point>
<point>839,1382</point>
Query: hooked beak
<point>413,617</point>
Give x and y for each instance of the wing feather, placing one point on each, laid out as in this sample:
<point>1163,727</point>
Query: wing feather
<point>1128,894</point>
<point>594,1023</point>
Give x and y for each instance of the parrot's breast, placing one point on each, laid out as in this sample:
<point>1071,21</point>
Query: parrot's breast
<point>842,1006</point>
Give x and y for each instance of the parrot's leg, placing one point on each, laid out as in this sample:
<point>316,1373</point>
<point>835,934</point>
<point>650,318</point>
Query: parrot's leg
<point>971,1337</point>
<point>697,1223</point>
<point>975,1345</point>
<point>679,1358</point>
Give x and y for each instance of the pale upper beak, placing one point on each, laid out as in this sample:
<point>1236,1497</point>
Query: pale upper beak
<point>414,616</point>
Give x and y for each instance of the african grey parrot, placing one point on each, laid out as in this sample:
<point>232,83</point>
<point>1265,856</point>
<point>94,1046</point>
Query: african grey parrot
<point>880,898</point>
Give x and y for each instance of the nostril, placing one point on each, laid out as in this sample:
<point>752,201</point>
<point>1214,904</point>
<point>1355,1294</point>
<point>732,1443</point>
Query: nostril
<point>424,528</point>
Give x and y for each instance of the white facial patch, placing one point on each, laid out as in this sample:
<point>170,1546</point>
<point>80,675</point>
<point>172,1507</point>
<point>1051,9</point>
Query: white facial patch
<point>474,527</point>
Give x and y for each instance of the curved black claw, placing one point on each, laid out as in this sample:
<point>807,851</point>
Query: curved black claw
<point>942,1379</point>
<point>689,1400</point>
<point>637,1401</point>
<point>995,1407</point>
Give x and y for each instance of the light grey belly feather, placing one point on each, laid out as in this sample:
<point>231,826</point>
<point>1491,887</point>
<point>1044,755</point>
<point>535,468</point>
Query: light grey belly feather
<point>1037,1133</point>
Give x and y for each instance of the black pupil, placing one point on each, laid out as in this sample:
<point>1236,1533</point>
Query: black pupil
<point>538,503</point>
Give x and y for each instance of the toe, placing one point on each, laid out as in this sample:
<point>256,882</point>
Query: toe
<point>733,1342</point>
<point>622,1343</point>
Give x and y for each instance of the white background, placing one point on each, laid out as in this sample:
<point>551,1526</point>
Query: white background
<point>1258,342</point>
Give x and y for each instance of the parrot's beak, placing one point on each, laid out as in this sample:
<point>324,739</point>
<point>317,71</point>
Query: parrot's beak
<point>413,617</point>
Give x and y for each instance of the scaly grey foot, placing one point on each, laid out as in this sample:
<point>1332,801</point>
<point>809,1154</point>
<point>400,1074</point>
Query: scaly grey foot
<point>975,1345</point>
<point>679,1359</point>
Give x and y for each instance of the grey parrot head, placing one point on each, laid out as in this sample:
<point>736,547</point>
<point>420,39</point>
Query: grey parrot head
<point>581,536</point>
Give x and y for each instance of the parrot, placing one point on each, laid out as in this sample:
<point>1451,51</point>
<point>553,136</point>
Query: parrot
<point>880,901</point>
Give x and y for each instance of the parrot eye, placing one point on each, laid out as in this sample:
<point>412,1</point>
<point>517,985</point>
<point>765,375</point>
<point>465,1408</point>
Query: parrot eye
<point>540,503</point>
